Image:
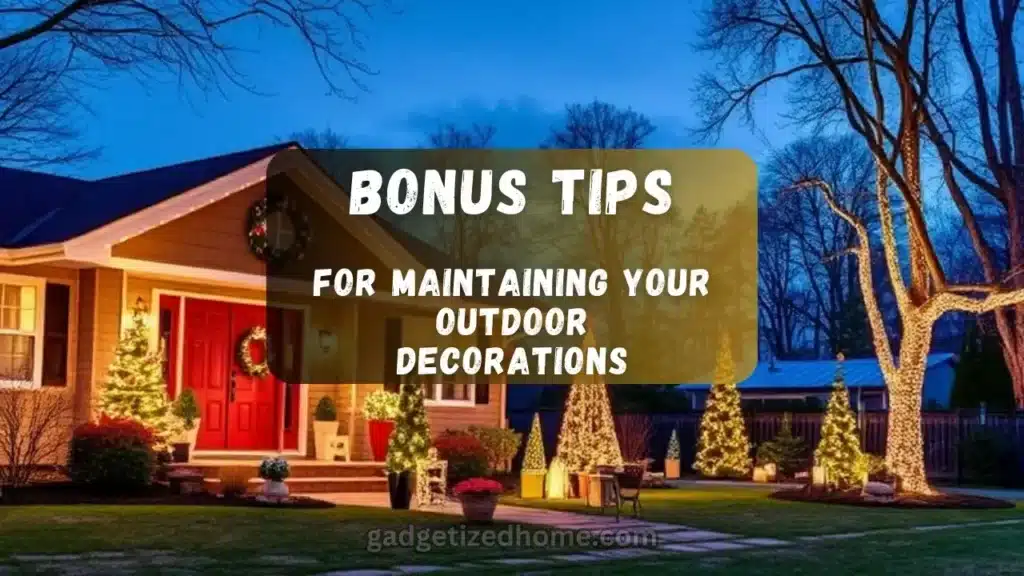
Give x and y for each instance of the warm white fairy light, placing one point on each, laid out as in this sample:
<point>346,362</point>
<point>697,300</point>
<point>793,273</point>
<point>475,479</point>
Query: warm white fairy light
<point>904,378</point>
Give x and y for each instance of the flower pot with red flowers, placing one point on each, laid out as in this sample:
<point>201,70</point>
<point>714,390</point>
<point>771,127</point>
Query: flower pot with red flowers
<point>380,409</point>
<point>479,497</point>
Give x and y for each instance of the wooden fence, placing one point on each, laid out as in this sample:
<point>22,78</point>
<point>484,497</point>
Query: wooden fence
<point>959,446</point>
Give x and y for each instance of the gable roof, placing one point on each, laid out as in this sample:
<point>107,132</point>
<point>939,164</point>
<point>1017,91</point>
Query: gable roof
<point>817,374</point>
<point>44,209</point>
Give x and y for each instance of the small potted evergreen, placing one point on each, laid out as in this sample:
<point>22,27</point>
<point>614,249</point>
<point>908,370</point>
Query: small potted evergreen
<point>325,426</point>
<point>186,410</point>
<point>672,457</point>
<point>409,443</point>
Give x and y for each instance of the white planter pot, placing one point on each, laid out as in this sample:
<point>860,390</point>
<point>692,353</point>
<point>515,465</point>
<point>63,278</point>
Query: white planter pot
<point>190,437</point>
<point>275,490</point>
<point>322,432</point>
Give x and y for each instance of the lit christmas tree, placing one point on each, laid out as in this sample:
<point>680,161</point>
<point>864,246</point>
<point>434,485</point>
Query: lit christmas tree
<point>673,447</point>
<point>723,448</point>
<point>533,458</point>
<point>587,438</point>
<point>135,386</point>
<point>410,439</point>
<point>839,452</point>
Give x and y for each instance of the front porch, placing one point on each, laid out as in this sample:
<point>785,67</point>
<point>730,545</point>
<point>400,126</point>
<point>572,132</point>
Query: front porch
<point>307,475</point>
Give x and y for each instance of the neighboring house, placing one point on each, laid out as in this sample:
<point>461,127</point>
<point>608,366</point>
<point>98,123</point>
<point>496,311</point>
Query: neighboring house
<point>810,382</point>
<point>76,255</point>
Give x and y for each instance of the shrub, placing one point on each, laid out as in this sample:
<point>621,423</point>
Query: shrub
<point>274,469</point>
<point>186,409</point>
<point>326,411</point>
<point>112,454</point>
<point>381,405</point>
<point>33,434</point>
<point>989,458</point>
<point>478,486</point>
<point>466,456</point>
<point>875,467</point>
<point>787,452</point>
<point>501,445</point>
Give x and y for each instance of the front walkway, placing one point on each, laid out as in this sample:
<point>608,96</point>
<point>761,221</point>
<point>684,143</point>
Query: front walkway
<point>628,538</point>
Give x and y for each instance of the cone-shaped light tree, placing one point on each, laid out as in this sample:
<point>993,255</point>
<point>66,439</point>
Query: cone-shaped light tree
<point>410,439</point>
<point>673,447</point>
<point>723,449</point>
<point>839,450</point>
<point>533,457</point>
<point>587,438</point>
<point>135,386</point>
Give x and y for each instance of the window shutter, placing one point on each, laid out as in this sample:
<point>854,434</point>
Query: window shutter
<point>55,335</point>
<point>483,381</point>
<point>392,342</point>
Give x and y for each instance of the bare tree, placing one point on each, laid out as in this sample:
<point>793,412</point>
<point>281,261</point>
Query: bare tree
<point>880,73</point>
<point>452,136</point>
<point>607,239</point>
<point>50,50</point>
<point>326,139</point>
<point>634,433</point>
<point>470,240</point>
<point>32,437</point>
<point>818,239</point>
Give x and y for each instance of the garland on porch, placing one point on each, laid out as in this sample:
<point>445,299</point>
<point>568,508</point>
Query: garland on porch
<point>251,367</point>
<point>259,233</point>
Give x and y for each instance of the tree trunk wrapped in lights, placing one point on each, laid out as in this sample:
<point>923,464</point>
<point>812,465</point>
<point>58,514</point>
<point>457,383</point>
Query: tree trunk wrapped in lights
<point>723,449</point>
<point>838,451</point>
<point>894,106</point>
<point>587,438</point>
<point>135,386</point>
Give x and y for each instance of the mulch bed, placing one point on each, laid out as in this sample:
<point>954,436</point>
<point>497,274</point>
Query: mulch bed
<point>158,494</point>
<point>855,498</point>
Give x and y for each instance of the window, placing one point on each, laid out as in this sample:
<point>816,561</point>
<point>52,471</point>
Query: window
<point>446,389</point>
<point>55,346</point>
<point>21,339</point>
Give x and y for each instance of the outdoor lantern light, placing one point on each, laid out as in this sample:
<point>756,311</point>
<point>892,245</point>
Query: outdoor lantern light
<point>328,341</point>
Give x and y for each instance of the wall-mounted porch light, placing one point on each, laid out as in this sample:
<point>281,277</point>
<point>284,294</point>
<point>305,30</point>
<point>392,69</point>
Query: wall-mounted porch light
<point>328,342</point>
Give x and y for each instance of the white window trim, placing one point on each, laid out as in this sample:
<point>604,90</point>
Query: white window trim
<point>435,399</point>
<point>37,355</point>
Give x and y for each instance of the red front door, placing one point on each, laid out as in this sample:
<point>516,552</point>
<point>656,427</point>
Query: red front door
<point>238,411</point>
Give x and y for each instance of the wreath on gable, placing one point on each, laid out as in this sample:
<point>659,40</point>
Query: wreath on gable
<point>257,334</point>
<point>259,230</point>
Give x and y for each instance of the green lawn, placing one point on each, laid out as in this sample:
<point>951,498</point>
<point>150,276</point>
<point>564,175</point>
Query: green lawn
<point>750,512</point>
<point>233,540</point>
<point>978,550</point>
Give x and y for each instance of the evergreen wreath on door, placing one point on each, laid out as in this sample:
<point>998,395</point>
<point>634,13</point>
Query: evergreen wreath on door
<point>255,335</point>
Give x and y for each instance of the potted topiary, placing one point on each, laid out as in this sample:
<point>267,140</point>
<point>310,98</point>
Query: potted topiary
<point>380,409</point>
<point>531,477</point>
<point>672,457</point>
<point>479,497</point>
<point>409,443</point>
<point>274,471</point>
<point>186,410</point>
<point>325,425</point>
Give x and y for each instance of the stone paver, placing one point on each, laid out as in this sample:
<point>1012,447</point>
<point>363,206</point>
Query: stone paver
<point>360,573</point>
<point>692,536</point>
<point>620,553</point>
<point>282,560</point>
<point>763,542</point>
<point>577,558</point>
<point>683,548</point>
<point>719,546</point>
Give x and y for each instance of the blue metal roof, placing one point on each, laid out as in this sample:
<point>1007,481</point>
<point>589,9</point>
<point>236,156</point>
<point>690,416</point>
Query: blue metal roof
<point>817,374</point>
<point>43,208</point>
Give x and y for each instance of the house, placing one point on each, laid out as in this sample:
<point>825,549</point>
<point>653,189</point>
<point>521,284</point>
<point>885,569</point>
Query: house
<point>809,382</point>
<point>76,255</point>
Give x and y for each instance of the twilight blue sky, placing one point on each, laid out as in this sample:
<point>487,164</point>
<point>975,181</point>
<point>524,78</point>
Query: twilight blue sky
<point>511,63</point>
